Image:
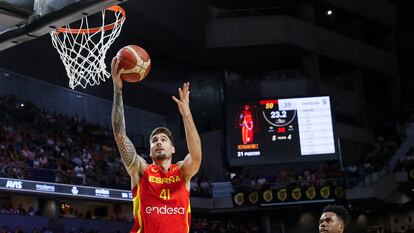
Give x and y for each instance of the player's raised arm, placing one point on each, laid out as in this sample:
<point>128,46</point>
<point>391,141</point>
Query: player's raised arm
<point>134,164</point>
<point>192,161</point>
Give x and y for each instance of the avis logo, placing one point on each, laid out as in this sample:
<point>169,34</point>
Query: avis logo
<point>14,184</point>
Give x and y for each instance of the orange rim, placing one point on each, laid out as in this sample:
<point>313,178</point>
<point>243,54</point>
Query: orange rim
<point>115,8</point>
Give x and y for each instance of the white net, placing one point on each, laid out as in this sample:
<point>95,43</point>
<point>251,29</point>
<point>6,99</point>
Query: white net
<point>83,50</point>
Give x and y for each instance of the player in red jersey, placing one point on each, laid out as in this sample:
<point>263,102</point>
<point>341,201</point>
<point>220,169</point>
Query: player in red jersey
<point>160,190</point>
<point>246,122</point>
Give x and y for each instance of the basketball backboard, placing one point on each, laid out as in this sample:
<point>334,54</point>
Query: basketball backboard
<point>24,20</point>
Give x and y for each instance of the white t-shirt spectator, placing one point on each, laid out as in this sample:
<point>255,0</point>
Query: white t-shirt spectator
<point>261,181</point>
<point>36,163</point>
<point>204,185</point>
<point>194,185</point>
<point>50,141</point>
<point>79,172</point>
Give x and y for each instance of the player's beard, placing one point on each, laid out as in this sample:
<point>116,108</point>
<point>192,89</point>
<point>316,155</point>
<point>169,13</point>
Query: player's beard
<point>161,156</point>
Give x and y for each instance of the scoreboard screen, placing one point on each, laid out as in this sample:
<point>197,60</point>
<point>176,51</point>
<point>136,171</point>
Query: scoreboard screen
<point>275,131</point>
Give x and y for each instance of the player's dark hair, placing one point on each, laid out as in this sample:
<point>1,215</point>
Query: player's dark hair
<point>339,210</point>
<point>163,130</point>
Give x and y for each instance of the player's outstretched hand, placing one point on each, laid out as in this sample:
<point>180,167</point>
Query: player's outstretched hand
<point>183,102</point>
<point>116,74</point>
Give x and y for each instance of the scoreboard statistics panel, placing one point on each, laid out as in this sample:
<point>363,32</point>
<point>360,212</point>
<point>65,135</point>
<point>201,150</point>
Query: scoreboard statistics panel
<point>275,131</point>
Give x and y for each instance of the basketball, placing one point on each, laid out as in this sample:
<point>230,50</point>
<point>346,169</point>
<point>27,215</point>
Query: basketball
<point>135,61</point>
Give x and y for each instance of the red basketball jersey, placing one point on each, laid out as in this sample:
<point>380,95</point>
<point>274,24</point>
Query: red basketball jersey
<point>161,202</point>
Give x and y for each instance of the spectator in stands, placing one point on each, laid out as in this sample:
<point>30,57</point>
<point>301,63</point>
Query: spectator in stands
<point>410,155</point>
<point>63,146</point>
<point>18,229</point>
<point>31,211</point>
<point>43,162</point>
<point>226,226</point>
<point>27,153</point>
<point>261,182</point>
<point>353,170</point>
<point>5,209</point>
<point>205,187</point>
<point>46,230</point>
<point>4,160</point>
<point>79,173</point>
<point>194,188</point>
<point>88,215</point>
<point>21,210</point>
<point>70,214</point>
<point>5,229</point>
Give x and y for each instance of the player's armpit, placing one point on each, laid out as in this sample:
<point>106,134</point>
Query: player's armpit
<point>189,166</point>
<point>136,170</point>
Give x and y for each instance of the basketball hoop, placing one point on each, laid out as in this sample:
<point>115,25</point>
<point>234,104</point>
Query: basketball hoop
<point>83,49</point>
